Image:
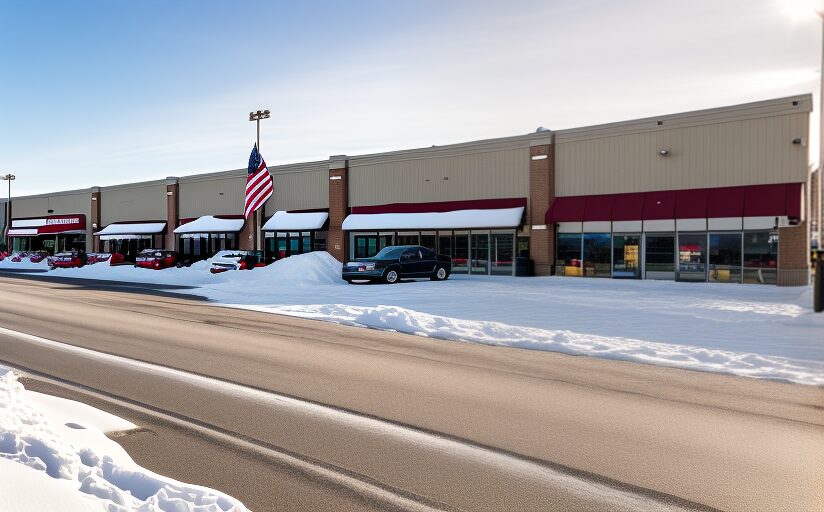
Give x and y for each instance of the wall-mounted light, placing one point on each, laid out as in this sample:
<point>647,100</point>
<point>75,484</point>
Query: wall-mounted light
<point>663,152</point>
<point>540,157</point>
<point>170,193</point>
<point>799,141</point>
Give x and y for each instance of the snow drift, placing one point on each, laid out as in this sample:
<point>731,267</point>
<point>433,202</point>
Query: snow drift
<point>45,459</point>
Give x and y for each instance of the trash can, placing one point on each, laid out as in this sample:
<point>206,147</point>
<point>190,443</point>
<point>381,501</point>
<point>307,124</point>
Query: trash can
<point>523,266</point>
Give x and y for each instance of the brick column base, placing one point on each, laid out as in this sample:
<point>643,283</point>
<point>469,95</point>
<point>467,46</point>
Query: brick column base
<point>541,246</point>
<point>336,242</point>
<point>793,256</point>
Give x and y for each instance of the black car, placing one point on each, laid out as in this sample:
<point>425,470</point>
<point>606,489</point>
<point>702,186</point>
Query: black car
<point>397,261</point>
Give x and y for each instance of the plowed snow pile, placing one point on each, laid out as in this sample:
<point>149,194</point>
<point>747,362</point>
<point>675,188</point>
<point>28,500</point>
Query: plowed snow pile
<point>54,455</point>
<point>752,330</point>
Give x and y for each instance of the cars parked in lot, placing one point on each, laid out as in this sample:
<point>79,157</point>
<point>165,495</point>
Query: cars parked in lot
<point>97,257</point>
<point>73,259</point>
<point>157,259</point>
<point>399,261</point>
<point>38,256</point>
<point>236,260</point>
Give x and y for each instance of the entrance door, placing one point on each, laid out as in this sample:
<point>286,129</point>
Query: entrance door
<point>725,257</point>
<point>626,256</point>
<point>692,256</point>
<point>460,256</point>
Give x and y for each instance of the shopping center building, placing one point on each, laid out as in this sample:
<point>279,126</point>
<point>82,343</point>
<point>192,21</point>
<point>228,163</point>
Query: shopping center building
<point>711,195</point>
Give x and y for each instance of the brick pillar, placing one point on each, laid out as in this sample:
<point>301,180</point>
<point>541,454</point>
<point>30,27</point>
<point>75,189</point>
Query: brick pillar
<point>338,206</point>
<point>95,224</point>
<point>541,193</point>
<point>246,240</point>
<point>172,211</point>
<point>793,256</point>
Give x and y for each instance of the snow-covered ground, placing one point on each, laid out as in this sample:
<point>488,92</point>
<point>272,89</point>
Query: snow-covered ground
<point>54,455</point>
<point>757,331</point>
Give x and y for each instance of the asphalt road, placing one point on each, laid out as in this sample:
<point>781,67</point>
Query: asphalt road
<point>389,420</point>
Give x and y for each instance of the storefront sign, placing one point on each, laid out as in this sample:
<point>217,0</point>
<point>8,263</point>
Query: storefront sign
<point>53,224</point>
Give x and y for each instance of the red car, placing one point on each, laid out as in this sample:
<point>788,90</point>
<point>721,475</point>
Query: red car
<point>38,256</point>
<point>157,260</point>
<point>98,257</point>
<point>66,260</point>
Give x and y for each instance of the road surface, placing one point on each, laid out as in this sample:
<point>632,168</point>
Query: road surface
<point>362,419</point>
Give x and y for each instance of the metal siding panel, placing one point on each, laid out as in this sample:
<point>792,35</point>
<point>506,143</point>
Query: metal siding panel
<point>29,207</point>
<point>146,202</point>
<point>211,197</point>
<point>305,190</point>
<point>486,175</point>
<point>65,204</point>
<point>743,152</point>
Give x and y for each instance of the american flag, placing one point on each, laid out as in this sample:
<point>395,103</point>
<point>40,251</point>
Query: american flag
<point>259,186</point>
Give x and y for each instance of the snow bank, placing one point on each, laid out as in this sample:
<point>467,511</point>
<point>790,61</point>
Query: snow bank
<point>54,455</point>
<point>752,330</point>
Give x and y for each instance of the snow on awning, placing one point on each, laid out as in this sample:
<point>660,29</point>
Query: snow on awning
<point>458,219</point>
<point>22,232</point>
<point>210,224</point>
<point>131,231</point>
<point>285,221</point>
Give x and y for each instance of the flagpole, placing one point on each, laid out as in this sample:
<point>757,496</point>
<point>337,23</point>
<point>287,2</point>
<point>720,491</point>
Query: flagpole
<point>258,218</point>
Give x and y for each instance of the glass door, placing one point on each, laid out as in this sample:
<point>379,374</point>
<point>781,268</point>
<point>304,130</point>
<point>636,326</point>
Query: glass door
<point>626,256</point>
<point>659,256</point>
<point>480,253</point>
<point>460,256</point>
<point>597,257</point>
<point>502,251</point>
<point>725,257</point>
<point>692,256</point>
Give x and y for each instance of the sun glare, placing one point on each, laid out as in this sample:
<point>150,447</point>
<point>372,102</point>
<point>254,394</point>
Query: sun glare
<point>799,10</point>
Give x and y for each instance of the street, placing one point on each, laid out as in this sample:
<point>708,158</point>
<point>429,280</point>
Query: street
<point>329,417</point>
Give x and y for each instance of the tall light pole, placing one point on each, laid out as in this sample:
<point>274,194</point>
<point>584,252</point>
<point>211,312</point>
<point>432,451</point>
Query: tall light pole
<point>257,117</point>
<point>8,177</point>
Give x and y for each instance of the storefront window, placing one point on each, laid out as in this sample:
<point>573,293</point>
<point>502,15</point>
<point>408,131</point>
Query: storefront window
<point>503,253</point>
<point>692,257</point>
<point>460,257</point>
<point>725,257</point>
<point>626,253</point>
<point>597,257</point>
<point>429,240</point>
<point>320,240</point>
<point>522,247</point>
<point>660,256</point>
<point>568,255</point>
<point>407,239</point>
<point>760,257</point>
<point>445,244</point>
<point>480,253</point>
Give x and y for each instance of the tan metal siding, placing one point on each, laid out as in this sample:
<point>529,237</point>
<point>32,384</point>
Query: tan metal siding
<point>29,207</point>
<point>744,152</point>
<point>304,190</point>
<point>212,197</point>
<point>71,203</point>
<point>138,202</point>
<point>482,175</point>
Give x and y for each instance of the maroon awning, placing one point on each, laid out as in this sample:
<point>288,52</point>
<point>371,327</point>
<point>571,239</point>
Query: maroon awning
<point>628,206</point>
<point>441,206</point>
<point>598,208</point>
<point>566,209</point>
<point>691,203</point>
<point>778,200</point>
<point>659,205</point>
<point>726,202</point>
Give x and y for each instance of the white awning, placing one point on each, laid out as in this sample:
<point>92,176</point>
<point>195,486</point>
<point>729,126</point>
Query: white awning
<point>210,224</point>
<point>131,231</point>
<point>23,232</point>
<point>458,219</point>
<point>285,221</point>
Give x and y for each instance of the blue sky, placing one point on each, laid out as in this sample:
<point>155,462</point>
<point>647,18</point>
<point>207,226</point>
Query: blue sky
<point>97,93</point>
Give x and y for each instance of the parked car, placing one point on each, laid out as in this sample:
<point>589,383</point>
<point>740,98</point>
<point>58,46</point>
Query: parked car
<point>38,256</point>
<point>394,262</point>
<point>17,257</point>
<point>71,259</point>
<point>236,260</point>
<point>157,259</point>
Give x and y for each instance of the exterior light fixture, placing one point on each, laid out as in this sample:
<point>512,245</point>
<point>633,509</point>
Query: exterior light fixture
<point>663,152</point>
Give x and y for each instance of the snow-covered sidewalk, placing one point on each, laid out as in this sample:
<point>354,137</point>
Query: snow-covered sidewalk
<point>757,331</point>
<point>54,455</point>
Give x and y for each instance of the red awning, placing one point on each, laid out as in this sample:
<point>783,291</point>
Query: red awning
<point>691,203</point>
<point>726,202</point>
<point>778,200</point>
<point>566,209</point>
<point>659,205</point>
<point>442,206</point>
<point>598,208</point>
<point>628,206</point>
